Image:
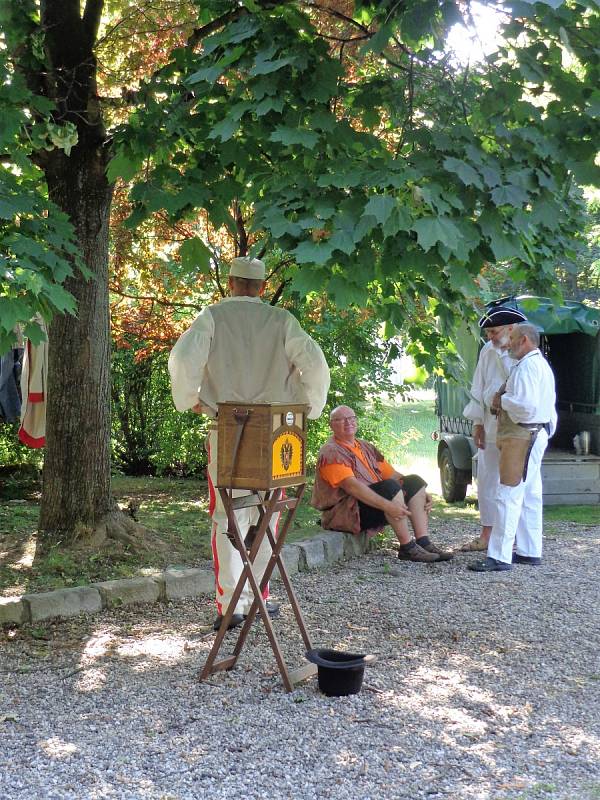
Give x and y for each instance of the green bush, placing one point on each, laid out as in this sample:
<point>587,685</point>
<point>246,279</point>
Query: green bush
<point>12,452</point>
<point>150,437</point>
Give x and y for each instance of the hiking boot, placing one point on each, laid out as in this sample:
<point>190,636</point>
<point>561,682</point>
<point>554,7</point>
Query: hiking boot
<point>443,555</point>
<point>417,553</point>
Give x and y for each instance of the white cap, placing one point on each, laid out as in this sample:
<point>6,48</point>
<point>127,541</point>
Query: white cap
<point>245,267</point>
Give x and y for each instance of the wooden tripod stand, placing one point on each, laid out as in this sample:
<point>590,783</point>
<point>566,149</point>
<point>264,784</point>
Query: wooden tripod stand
<point>272,502</point>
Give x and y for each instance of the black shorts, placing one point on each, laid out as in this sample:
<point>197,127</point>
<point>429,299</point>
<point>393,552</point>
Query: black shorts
<point>373,517</point>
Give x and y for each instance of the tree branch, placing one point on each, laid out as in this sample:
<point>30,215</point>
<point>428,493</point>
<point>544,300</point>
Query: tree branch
<point>408,120</point>
<point>214,258</point>
<point>200,33</point>
<point>338,15</point>
<point>109,31</point>
<point>401,67</point>
<point>283,263</point>
<point>91,20</point>
<point>275,299</point>
<point>344,40</point>
<point>151,298</point>
<point>242,237</point>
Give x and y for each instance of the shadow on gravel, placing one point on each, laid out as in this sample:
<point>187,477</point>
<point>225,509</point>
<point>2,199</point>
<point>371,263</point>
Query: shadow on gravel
<point>483,690</point>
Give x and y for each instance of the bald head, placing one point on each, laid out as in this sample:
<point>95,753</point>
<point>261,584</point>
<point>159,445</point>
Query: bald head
<point>530,331</point>
<point>341,411</point>
<point>523,339</point>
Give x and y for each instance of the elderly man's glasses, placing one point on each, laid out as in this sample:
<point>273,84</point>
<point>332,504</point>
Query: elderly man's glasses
<point>344,419</point>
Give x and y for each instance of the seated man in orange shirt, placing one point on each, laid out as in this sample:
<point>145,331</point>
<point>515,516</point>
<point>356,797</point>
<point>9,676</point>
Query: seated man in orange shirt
<point>357,490</point>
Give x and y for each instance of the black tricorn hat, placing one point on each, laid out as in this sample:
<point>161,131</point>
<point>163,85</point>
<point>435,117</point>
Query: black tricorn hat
<point>501,315</point>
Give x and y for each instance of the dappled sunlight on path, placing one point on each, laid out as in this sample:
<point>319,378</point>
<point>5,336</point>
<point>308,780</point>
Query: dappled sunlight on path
<point>482,690</point>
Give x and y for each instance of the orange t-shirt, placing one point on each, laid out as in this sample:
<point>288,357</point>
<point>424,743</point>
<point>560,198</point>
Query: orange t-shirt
<point>334,474</point>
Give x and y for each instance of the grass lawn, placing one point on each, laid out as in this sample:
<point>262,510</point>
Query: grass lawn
<point>178,511</point>
<point>409,446</point>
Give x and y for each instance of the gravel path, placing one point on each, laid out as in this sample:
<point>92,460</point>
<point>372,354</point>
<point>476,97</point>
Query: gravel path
<point>486,687</point>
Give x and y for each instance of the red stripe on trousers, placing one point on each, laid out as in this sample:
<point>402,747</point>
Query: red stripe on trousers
<point>215,556</point>
<point>212,497</point>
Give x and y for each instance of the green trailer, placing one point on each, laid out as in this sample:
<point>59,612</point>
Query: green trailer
<point>570,340</point>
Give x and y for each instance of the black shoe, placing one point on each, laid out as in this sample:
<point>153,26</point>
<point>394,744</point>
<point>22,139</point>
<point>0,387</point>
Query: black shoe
<point>533,560</point>
<point>272,609</point>
<point>489,565</point>
<point>234,622</point>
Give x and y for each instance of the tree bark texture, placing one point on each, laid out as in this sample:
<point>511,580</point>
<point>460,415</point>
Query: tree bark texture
<point>76,478</point>
<point>76,498</point>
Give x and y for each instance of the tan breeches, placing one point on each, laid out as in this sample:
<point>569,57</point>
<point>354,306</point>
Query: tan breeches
<point>513,453</point>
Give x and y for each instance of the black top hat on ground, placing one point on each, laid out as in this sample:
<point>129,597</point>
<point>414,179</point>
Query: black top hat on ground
<point>339,673</point>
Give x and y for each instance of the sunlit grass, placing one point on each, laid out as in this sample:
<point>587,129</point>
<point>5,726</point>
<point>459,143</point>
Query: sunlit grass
<point>581,515</point>
<point>408,443</point>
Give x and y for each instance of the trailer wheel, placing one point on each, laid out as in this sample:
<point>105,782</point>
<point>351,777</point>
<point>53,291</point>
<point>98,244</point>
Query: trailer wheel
<point>454,481</point>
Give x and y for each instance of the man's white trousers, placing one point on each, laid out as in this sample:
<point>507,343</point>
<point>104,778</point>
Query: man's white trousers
<point>519,511</point>
<point>226,559</point>
<point>488,480</point>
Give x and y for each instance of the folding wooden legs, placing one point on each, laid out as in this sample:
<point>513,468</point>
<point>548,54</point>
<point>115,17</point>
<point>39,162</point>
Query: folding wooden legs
<point>271,503</point>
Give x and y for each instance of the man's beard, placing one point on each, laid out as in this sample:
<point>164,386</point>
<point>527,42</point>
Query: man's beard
<point>502,343</point>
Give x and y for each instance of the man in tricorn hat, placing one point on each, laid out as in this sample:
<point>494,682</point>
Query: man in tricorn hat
<point>243,350</point>
<point>493,367</point>
<point>525,405</point>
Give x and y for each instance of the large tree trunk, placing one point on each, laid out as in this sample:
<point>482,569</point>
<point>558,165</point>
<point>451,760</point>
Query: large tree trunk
<point>76,481</point>
<point>77,505</point>
<point>76,497</point>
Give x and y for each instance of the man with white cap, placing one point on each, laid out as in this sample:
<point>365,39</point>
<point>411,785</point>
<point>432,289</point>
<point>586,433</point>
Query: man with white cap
<point>525,406</point>
<point>243,350</point>
<point>493,367</point>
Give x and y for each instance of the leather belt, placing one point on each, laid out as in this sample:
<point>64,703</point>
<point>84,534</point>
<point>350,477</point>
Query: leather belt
<point>535,426</point>
<point>241,418</point>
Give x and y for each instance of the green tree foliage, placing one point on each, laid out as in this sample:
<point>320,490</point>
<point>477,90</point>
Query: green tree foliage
<point>347,140</point>
<point>359,362</point>
<point>36,240</point>
<point>389,176</point>
<point>584,279</point>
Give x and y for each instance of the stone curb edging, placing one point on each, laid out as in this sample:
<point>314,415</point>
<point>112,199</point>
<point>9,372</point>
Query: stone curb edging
<point>172,584</point>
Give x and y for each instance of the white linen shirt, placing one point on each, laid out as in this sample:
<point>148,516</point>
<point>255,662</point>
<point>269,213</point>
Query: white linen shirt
<point>530,391</point>
<point>493,368</point>
<point>244,350</point>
